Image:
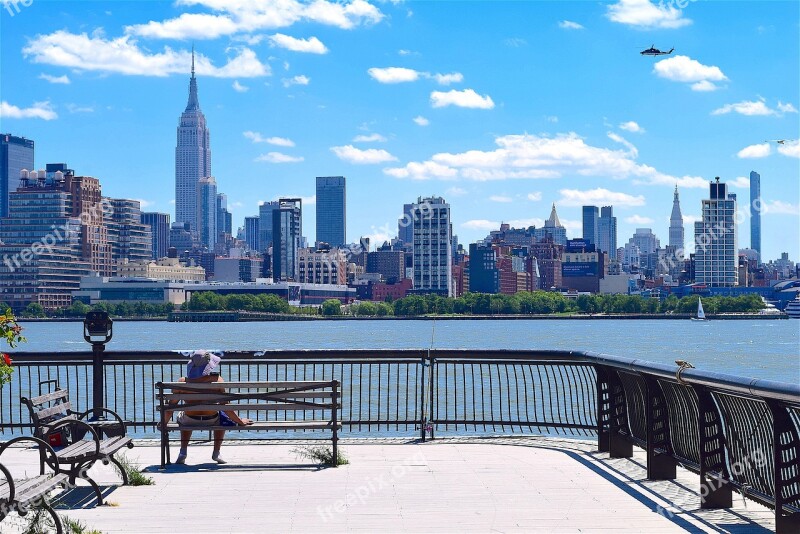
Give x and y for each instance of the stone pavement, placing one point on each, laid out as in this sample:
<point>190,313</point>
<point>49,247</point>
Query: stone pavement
<point>447,485</point>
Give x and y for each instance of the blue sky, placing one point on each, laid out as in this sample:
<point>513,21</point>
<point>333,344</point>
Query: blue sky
<point>501,108</point>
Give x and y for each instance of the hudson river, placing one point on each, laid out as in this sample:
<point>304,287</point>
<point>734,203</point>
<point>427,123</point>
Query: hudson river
<point>764,349</point>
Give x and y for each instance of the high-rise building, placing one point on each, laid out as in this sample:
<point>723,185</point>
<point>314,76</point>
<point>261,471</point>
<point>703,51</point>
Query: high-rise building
<point>715,239</point>
<point>331,210</point>
<point>590,224</point>
<point>676,235</point>
<point>130,240</point>
<point>287,232</point>
<point>483,274</point>
<point>755,212</point>
<point>192,157</point>
<point>224,218</point>
<point>88,204</point>
<point>433,257</point>
<point>16,154</point>
<point>251,233</point>
<point>207,211</point>
<point>607,232</point>
<point>265,210</point>
<point>390,264</point>
<point>552,229</point>
<point>405,226</point>
<point>159,233</point>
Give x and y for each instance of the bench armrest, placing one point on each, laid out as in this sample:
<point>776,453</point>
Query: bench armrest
<point>12,490</point>
<point>81,415</point>
<point>48,457</point>
<point>80,423</point>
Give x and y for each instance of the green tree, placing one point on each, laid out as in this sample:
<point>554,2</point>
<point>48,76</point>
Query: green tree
<point>332,307</point>
<point>34,309</point>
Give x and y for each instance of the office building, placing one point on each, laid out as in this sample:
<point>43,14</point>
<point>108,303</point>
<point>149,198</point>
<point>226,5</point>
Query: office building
<point>159,233</point>
<point>322,266</point>
<point>331,210</point>
<point>224,218</point>
<point>162,269</point>
<point>192,158</point>
<point>251,233</point>
<point>607,232</point>
<point>130,240</point>
<point>432,240</point>
<point>390,264</point>
<point>755,213</point>
<point>182,238</point>
<point>676,233</point>
<point>287,231</point>
<point>483,274</point>
<point>552,229</point>
<point>548,261</point>
<point>16,154</point>
<point>590,224</point>
<point>405,225</point>
<point>715,239</point>
<point>207,211</point>
<point>265,210</point>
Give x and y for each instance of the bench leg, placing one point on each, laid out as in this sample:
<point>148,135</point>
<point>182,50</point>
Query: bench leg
<point>122,471</point>
<point>56,520</point>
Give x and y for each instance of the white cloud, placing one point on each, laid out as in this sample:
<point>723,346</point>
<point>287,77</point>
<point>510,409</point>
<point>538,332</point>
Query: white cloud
<point>530,156</point>
<point>755,151</point>
<point>55,79</point>
<point>535,196</point>
<point>480,224</point>
<point>75,108</point>
<point>447,79</point>
<point>569,25</point>
<point>599,196</point>
<point>515,42</point>
<point>277,157</point>
<point>239,88</point>
<point>232,17</point>
<point>638,219</point>
<point>371,138</point>
<point>551,118</point>
<point>688,70</point>
<point>300,79</point>
<point>790,149</point>
<point>741,182</point>
<point>404,52</point>
<point>501,198</point>
<point>144,203</point>
<point>456,191</point>
<point>309,46</point>
<point>754,108</point>
<point>644,15</point>
<point>421,121</point>
<point>631,126</point>
<point>691,219</point>
<point>39,110</point>
<point>779,207</point>
<point>393,74</point>
<point>256,137</point>
<point>357,156</point>
<point>123,56</point>
<point>466,98</point>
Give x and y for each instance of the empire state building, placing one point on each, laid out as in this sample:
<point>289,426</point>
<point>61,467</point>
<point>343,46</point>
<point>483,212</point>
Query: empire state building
<point>192,157</point>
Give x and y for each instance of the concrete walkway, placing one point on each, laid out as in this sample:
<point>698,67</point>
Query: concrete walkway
<point>450,485</point>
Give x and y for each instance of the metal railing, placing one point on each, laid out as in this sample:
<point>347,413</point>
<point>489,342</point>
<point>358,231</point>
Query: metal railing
<point>738,434</point>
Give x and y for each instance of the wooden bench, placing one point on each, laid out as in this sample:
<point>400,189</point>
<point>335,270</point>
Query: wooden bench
<point>78,442</point>
<point>287,397</point>
<point>21,495</point>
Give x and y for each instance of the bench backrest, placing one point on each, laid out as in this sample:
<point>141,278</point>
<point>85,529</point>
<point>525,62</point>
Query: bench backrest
<point>49,408</point>
<point>256,396</point>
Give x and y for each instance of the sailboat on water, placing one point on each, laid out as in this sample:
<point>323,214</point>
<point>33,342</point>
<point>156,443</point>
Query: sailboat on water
<point>701,315</point>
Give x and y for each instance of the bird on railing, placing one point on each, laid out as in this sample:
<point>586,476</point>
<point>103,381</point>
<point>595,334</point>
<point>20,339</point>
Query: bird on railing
<point>683,365</point>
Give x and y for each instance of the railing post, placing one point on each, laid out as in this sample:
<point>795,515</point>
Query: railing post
<point>715,488</point>
<point>603,408</point>
<point>335,420</point>
<point>423,408</point>
<point>786,467</point>
<point>661,465</point>
<point>619,443</point>
<point>431,400</point>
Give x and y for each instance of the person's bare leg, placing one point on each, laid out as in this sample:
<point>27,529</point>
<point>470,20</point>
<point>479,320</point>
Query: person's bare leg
<point>186,435</point>
<point>219,435</point>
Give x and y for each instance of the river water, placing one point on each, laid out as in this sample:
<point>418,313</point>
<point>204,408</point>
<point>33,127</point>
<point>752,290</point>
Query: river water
<point>768,349</point>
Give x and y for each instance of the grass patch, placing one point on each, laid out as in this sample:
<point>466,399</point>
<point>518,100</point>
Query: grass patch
<point>135,476</point>
<point>322,455</point>
<point>73,526</point>
<point>39,521</point>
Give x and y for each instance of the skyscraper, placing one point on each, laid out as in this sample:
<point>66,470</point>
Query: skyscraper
<point>755,213</point>
<point>715,239</point>
<point>159,233</point>
<point>265,210</point>
<point>207,211</point>
<point>552,229</point>
<point>676,236</point>
<point>405,227</point>
<point>433,234</point>
<point>251,233</point>
<point>224,219</point>
<point>331,210</point>
<point>287,232</point>
<point>590,224</point>
<point>16,154</point>
<point>192,157</point>
<point>607,232</point>
<point>130,239</point>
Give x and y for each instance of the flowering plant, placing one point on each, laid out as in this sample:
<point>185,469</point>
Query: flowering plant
<point>11,332</point>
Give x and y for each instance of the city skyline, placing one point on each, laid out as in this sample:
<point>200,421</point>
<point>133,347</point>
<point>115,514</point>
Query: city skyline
<point>613,151</point>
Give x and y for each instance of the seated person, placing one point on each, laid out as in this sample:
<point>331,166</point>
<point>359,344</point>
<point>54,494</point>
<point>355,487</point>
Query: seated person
<point>202,369</point>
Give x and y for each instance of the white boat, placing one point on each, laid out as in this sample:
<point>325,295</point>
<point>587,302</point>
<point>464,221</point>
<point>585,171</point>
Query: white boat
<point>793,308</point>
<point>701,315</point>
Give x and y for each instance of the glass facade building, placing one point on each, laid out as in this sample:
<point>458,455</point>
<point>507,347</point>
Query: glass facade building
<point>16,154</point>
<point>207,211</point>
<point>159,233</point>
<point>433,243</point>
<point>715,239</point>
<point>331,210</point>
<point>287,231</point>
<point>755,213</point>
<point>590,224</point>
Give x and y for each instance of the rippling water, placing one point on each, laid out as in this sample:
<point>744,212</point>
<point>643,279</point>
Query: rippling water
<point>765,349</point>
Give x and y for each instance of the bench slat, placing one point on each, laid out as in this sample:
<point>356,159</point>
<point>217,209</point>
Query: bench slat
<point>33,488</point>
<point>53,410</point>
<point>275,406</point>
<point>49,397</point>
<point>262,425</point>
<point>240,385</point>
<point>275,395</point>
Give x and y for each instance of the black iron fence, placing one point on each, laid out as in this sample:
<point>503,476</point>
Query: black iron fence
<point>739,434</point>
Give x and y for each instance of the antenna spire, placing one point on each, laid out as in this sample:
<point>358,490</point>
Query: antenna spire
<point>192,60</point>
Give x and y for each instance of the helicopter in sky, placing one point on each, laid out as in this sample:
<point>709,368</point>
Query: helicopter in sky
<point>653,51</point>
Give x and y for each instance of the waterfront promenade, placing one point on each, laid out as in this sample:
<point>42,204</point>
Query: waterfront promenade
<point>391,485</point>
